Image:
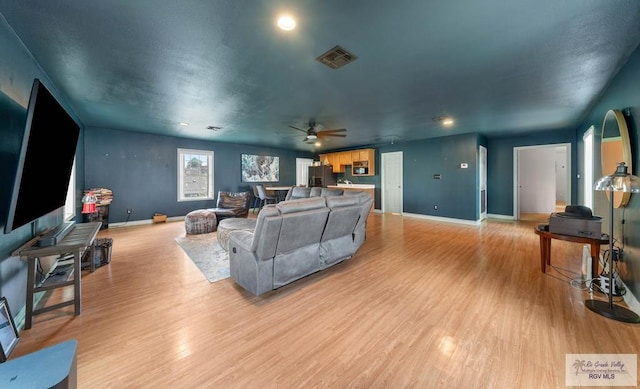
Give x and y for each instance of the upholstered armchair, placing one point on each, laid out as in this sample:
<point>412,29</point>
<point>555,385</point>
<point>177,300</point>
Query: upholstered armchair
<point>232,204</point>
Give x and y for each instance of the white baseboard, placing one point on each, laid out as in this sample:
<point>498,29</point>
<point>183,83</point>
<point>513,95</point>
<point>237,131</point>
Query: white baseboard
<point>443,219</point>
<point>504,217</point>
<point>143,222</point>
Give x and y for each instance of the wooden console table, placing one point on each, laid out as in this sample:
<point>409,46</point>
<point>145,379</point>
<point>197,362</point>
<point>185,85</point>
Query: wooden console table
<point>545,247</point>
<point>76,242</point>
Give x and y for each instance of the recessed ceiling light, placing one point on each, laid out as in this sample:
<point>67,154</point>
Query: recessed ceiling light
<point>317,144</point>
<point>445,120</point>
<point>286,22</point>
<point>184,124</point>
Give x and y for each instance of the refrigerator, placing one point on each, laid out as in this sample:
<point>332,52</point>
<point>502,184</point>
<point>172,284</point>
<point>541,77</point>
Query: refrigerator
<point>322,176</point>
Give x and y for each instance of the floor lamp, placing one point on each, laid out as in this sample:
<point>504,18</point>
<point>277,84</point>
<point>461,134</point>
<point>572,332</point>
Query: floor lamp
<point>620,181</point>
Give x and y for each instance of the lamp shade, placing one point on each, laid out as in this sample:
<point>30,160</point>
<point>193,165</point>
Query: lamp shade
<point>619,181</point>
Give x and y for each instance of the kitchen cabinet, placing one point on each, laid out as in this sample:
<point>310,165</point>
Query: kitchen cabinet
<point>363,157</point>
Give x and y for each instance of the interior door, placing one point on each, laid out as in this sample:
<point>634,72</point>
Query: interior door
<point>391,182</point>
<point>302,171</point>
<point>536,177</point>
<point>482,173</point>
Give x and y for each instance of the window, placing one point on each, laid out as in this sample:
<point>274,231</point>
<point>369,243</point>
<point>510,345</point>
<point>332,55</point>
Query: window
<point>588,167</point>
<point>195,175</point>
<point>70,202</point>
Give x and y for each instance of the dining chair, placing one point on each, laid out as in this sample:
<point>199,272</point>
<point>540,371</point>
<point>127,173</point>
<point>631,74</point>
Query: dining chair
<point>256,199</point>
<point>264,197</point>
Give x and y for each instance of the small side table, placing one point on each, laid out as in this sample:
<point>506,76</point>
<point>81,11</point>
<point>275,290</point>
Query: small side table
<point>545,247</point>
<point>76,242</point>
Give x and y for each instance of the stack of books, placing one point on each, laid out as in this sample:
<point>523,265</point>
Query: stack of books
<point>104,196</point>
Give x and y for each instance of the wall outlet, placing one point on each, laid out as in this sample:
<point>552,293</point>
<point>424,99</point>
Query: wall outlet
<point>435,207</point>
<point>129,210</point>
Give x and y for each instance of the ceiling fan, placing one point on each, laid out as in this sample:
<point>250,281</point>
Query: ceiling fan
<point>313,134</point>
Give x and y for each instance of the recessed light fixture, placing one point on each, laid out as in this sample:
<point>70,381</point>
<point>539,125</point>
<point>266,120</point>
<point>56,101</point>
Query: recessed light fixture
<point>317,144</point>
<point>183,124</point>
<point>286,22</point>
<point>447,122</point>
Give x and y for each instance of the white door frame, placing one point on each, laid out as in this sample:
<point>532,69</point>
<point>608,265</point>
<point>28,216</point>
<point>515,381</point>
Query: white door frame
<point>302,171</point>
<point>482,179</point>
<point>516,178</point>
<point>383,183</point>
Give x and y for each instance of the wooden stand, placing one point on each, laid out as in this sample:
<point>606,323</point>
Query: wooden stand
<point>545,247</point>
<point>76,242</point>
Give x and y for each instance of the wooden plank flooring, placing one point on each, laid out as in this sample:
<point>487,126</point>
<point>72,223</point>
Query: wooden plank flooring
<point>423,304</point>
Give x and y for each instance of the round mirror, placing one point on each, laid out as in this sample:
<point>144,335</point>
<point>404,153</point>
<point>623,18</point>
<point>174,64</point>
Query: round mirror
<point>615,148</point>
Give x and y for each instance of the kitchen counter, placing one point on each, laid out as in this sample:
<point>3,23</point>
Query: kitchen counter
<point>355,186</point>
<point>370,188</point>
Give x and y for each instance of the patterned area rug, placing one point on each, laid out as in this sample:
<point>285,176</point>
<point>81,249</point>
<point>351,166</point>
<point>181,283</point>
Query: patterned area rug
<point>205,251</point>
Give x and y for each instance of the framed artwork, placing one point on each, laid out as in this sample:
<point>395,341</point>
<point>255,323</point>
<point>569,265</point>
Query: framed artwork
<point>260,168</point>
<point>8,332</point>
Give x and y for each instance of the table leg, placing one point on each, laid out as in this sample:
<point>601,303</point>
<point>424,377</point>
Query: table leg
<point>31,280</point>
<point>545,253</point>
<point>77,270</point>
<point>595,259</point>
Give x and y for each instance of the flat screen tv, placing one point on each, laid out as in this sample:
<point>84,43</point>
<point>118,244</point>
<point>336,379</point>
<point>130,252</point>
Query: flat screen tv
<point>45,159</point>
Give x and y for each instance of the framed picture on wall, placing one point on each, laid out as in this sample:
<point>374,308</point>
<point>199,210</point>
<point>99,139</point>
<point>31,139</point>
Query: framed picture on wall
<point>260,168</point>
<point>8,332</point>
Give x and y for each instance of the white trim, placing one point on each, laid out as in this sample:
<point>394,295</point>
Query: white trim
<point>443,219</point>
<point>516,150</point>
<point>180,169</point>
<point>497,216</point>
<point>383,162</point>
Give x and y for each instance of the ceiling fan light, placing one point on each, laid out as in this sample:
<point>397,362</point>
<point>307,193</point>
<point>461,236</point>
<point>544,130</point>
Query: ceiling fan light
<point>286,23</point>
<point>312,137</point>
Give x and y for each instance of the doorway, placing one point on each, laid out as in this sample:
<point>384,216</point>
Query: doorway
<point>302,171</point>
<point>542,181</point>
<point>391,182</point>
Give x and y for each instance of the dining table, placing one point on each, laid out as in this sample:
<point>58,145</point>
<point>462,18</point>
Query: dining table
<point>280,191</point>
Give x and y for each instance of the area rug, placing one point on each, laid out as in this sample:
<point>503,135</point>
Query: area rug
<point>205,251</point>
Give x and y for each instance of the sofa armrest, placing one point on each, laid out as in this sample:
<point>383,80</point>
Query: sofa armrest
<point>241,240</point>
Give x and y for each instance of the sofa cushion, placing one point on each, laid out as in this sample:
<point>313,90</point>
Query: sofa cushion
<point>298,192</point>
<point>299,205</point>
<point>331,192</point>
<point>315,191</point>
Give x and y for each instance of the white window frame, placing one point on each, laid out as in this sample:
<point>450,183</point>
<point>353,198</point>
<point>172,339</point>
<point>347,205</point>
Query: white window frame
<point>588,139</point>
<point>201,154</point>
<point>70,202</point>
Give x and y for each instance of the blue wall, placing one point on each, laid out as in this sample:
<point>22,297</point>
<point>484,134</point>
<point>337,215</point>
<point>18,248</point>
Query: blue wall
<point>455,193</point>
<point>141,170</point>
<point>17,71</point>
<point>623,92</point>
<point>500,166</point>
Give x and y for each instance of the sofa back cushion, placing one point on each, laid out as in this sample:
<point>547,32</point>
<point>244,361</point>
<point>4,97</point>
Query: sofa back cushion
<point>315,191</point>
<point>298,192</point>
<point>345,212</point>
<point>265,235</point>
<point>325,192</point>
<point>303,221</point>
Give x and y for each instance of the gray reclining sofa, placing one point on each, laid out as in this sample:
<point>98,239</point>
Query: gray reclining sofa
<point>295,238</point>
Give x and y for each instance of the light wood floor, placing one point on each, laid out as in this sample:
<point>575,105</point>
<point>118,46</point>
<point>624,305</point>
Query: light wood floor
<point>423,304</point>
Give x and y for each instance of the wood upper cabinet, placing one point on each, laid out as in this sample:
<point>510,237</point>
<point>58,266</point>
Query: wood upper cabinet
<point>340,159</point>
<point>345,157</point>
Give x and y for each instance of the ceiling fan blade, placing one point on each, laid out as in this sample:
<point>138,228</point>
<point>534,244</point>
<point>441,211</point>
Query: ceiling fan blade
<point>299,129</point>
<point>323,134</point>
<point>338,130</point>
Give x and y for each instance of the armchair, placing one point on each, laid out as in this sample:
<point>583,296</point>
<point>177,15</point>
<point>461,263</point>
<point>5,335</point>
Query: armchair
<point>232,204</point>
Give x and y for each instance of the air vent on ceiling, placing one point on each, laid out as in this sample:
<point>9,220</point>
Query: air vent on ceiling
<point>336,57</point>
